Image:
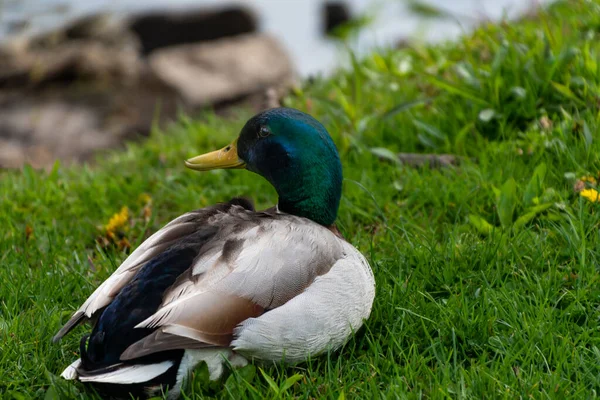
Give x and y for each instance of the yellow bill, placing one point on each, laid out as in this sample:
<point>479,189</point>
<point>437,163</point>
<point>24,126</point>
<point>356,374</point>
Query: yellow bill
<point>226,158</point>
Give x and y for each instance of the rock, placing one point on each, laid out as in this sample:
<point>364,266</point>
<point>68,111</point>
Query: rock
<point>90,61</point>
<point>42,125</point>
<point>106,28</point>
<point>96,49</point>
<point>88,87</point>
<point>159,29</point>
<point>418,160</point>
<point>39,133</point>
<point>224,69</point>
<point>64,95</point>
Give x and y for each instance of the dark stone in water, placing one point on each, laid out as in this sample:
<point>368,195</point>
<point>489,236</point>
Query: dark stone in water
<point>160,30</point>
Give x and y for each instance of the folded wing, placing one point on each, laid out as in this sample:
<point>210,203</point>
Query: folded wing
<point>255,264</point>
<point>170,234</point>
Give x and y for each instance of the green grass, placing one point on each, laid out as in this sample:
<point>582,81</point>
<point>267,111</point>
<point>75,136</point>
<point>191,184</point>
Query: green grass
<point>487,274</point>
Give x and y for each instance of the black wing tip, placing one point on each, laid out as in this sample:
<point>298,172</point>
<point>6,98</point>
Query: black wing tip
<point>73,322</point>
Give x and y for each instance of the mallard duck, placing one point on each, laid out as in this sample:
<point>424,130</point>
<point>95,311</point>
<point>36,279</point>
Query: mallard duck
<point>228,284</point>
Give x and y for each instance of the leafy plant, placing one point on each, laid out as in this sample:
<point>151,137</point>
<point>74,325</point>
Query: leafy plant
<point>534,202</point>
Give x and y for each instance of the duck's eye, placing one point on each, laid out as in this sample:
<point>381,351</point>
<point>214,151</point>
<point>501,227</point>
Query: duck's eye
<point>264,132</point>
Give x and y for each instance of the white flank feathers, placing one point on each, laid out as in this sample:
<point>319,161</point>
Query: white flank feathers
<point>130,374</point>
<point>70,372</point>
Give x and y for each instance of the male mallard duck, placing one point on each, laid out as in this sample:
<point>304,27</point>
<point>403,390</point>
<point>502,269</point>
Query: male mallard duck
<point>227,282</point>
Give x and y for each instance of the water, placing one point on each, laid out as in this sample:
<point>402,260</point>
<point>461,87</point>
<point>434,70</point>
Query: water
<point>297,23</point>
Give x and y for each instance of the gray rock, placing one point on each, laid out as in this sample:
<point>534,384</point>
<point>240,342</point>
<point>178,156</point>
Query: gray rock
<point>40,133</point>
<point>94,49</point>
<point>224,69</point>
<point>88,87</point>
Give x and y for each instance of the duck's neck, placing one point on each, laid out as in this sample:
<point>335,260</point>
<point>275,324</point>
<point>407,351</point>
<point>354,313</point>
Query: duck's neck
<point>311,190</point>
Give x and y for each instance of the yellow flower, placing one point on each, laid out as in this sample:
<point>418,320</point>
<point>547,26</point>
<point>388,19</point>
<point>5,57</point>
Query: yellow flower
<point>591,195</point>
<point>145,198</point>
<point>589,179</point>
<point>117,221</point>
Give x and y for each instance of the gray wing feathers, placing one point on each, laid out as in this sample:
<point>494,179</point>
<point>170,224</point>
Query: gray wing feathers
<point>263,267</point>
<point>171,233</point>
<point>160,341</point>
<point>270,268</point>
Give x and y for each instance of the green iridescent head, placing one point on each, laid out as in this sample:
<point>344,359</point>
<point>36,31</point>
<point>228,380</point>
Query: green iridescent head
<point>294,152</point>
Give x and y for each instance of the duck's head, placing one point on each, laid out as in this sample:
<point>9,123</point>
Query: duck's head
<point>294,152</point>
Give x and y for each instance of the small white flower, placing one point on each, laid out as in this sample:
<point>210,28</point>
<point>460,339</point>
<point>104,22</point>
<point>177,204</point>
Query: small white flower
<point>405,66</point>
